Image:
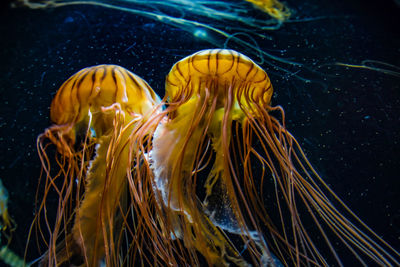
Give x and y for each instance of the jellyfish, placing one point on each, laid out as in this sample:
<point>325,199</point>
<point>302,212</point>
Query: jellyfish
<point>232,182</point>
<point>208,175</point>
<point>274,8</point>
<point>94,113</point>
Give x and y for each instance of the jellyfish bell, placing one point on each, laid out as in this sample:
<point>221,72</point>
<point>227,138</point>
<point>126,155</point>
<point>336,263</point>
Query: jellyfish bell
<point>85,95</point>
<point>105,103</point>
<point>223,70</point>
<point>219,127</point>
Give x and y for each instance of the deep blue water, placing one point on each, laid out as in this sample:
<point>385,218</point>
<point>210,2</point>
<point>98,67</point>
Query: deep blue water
<point>347,119</point>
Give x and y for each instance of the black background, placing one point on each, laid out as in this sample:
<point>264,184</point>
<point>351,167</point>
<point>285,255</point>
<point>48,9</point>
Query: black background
<point>346,119</point>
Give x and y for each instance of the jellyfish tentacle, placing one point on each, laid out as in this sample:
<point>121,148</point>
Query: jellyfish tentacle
<point>107,181</point>
<point>177,190</point>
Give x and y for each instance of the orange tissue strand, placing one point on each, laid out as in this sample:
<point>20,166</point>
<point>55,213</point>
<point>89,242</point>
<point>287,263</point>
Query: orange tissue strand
<point>274,8</point>
<point>95,113</point>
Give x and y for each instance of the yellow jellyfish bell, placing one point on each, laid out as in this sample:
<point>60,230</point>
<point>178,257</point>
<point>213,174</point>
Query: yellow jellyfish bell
<point>101,105</point>
<point>216,153</point>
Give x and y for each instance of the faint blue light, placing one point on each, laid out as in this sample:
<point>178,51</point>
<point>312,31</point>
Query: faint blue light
<point>200,33</point>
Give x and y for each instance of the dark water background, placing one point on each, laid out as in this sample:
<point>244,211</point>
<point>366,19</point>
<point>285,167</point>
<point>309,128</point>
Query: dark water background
<point>347,120</point>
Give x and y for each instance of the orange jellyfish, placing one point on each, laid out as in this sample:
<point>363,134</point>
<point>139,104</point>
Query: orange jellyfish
<point>233,184</point>
<point>95,112</point>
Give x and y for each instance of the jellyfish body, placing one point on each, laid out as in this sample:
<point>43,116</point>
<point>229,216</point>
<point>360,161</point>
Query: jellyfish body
<point>215,154</point>
<point>100,105</point>
<point>207,91</point>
